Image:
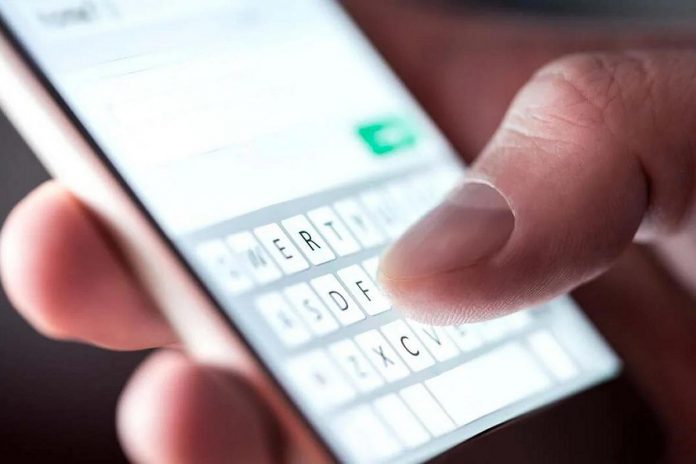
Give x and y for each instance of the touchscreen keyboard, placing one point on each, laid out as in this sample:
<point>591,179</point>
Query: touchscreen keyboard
<point>304,279</point>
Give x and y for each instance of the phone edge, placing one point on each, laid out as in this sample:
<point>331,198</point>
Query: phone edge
<point>71,156</point>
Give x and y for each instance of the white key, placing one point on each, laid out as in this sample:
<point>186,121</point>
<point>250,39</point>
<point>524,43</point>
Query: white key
<point>519,320</point>
<point>384,210</point>
<point>281,248</point>
<point>399,195</point>
<point>371,266</point>
<point>427,409</point>
<point>311,309</point>
<point>364,229</point>
<point>315,377</point>
<point>365,437</point>
<point>256,259</point>
<point>445,179</point>
<point>547,348</point>
<point>492,331</point>
<point>408,345</point>
<point>421,197</point>
<point>488,383</point>
<point>355,365</point>
<point>382,355</point>
<point>221,264</point>
<point>422,185</point>
<point>438,183</point>
<point>465,336</point>
<point>338,299</point>
<point>334,231</point>
<point>364,290</point>
<point>396,415</point>
<point>282,319</point>
<point>308,240</point>
<point>436,340</point>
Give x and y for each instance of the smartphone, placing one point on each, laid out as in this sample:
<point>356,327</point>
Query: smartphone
<point>253,159</point>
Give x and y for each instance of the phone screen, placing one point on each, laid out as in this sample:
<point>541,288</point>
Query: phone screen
<point>280,155</point>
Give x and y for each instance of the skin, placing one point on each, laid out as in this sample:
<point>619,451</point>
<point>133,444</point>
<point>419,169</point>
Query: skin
<point>616,129</point>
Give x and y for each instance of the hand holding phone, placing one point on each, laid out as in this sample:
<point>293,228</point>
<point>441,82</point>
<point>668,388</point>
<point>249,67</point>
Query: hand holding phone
<point>305,269</point>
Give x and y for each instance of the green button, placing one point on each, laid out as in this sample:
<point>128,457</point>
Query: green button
<point>388,135</point>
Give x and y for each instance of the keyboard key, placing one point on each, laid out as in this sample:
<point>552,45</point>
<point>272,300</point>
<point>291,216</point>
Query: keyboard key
<point>436,340</point>
<point>438,183</point>
<point>492,331</point>
<point>334,231</point>
<point>355,365</point>
<point>427,409</point>
<point>314,376</point>
<point>545,346</point>
<point>364,229</point>
<point>445,179</point>
<point>519,320</point>
<point>407,345</point>
<point>311,309</point>
<point>281,248</point>
<point>220,262</point>
<point>401,420</point>
<point>422,186</point>
<point>308,240</point>
<point>382,355</point>
<point>337,299</point>
<point>365,437</point>
<point>371,266</point>
<point>399,195</point>
<point>465,336</point>
<point>488,383</point>
<point>385,211</point>
<point>364,290</point>
<point>282,319</point>
<point>418,194</point>
<point>255,258</point>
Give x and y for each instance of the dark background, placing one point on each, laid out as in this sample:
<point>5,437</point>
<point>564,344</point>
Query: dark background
<point>57,400</point>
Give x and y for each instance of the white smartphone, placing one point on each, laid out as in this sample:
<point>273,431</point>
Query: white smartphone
<point>253,159</point>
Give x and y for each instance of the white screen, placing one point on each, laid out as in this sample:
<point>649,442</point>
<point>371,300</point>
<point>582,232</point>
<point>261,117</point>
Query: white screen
<point>238,93</point>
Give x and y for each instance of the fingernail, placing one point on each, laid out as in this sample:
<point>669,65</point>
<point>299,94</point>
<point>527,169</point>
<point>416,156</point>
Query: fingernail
<point>473,223</point>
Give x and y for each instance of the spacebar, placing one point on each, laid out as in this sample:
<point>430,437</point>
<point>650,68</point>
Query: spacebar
<point>488,383</point>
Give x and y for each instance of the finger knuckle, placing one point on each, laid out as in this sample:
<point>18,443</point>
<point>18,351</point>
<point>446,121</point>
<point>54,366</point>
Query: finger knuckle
<point>639,107</point>
<point>631,77</point>
<point>599,88</point>
<point>582,98</point>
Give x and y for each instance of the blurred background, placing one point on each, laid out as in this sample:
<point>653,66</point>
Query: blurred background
<point>57,400</point>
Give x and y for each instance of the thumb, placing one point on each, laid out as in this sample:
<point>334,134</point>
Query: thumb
<point>592,147</point>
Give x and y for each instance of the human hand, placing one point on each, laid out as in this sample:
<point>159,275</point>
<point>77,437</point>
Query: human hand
<point>63,274</point>
<point>595,147</point>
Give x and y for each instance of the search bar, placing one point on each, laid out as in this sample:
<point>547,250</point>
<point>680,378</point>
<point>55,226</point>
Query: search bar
<point>137,10</point>
<point>67,17</point>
